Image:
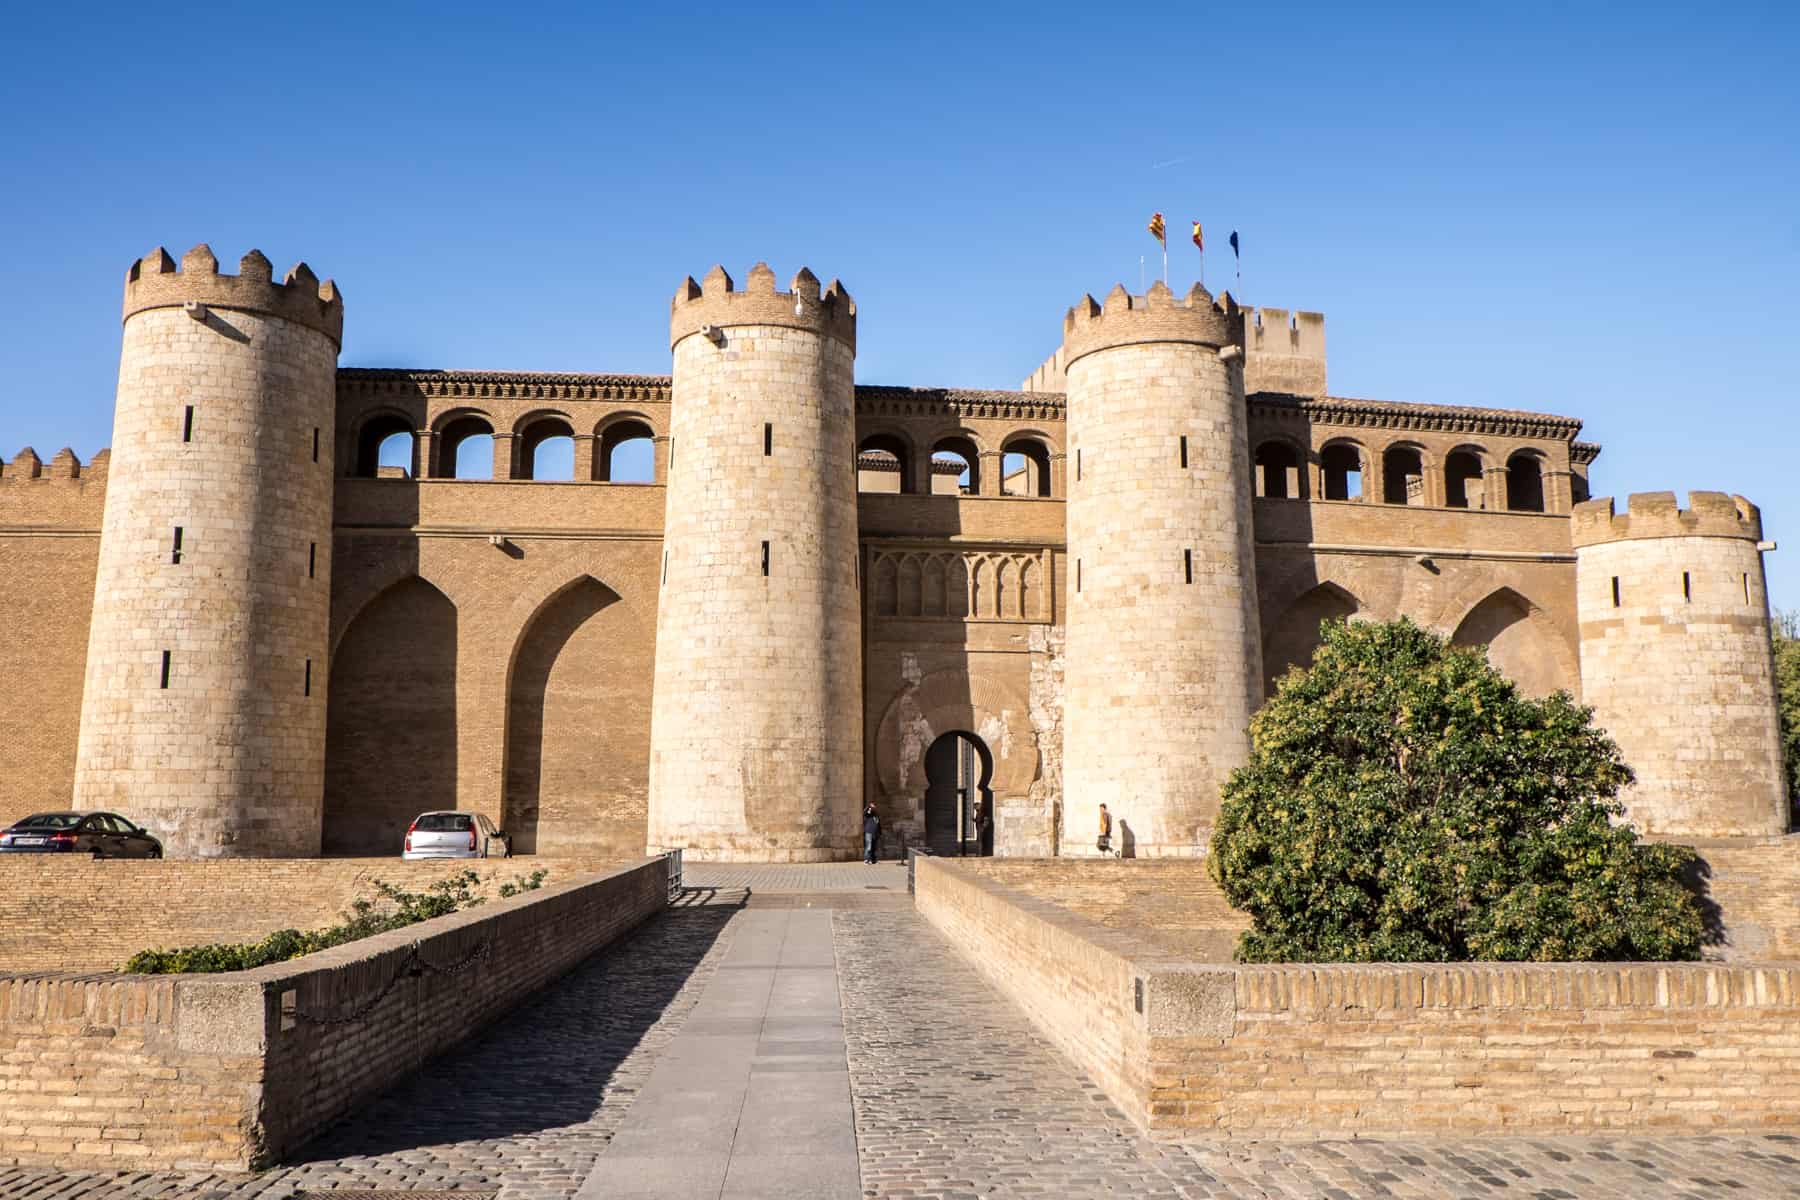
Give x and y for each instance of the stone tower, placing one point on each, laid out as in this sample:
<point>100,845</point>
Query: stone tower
<point>203,709</point>
<point>1164,661</point>
<point>1676,661</point>
<point>756,719</point>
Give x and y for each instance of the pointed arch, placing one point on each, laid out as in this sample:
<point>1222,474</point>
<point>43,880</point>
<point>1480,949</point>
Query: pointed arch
<point>391,719</point>
<point>577,728</point>
<point>1291,640</point>
<point>1031,591</point>
<point>932,603</point>
<point>1006,575</point>
<point>910,603</point>
<point>887,587</point>
<point>1523,642</point>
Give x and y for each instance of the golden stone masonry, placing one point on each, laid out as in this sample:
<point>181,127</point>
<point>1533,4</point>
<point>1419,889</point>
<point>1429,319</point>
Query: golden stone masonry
<point>985,612</point>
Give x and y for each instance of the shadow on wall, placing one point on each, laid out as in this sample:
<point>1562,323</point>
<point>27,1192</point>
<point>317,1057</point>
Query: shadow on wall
<point>577,771</point>
<point>390,744</point>
<point>550,1061</point>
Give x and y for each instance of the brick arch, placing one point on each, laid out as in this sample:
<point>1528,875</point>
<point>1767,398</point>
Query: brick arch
<point>954,699</point>
<point>345,609</point>
<point>1525,642</point>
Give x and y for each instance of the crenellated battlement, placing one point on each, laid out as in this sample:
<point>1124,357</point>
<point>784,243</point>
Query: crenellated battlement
<point>155,281</point>
<point>1659,515</point>
<point>27,467</point>
<point>1156,316</point>
<point>716,301</point>
<point>1284,352</point>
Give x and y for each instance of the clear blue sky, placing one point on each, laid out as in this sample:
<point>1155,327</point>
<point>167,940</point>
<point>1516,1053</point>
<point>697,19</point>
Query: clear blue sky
<point>1589,210</point>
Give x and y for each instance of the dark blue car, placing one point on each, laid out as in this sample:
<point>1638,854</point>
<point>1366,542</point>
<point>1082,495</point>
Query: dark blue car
<point>100,834</point>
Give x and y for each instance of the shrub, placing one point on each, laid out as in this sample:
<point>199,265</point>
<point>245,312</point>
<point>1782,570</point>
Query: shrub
<point>1787,688</point>
<point>364,918</point>
<point>1404,803</point>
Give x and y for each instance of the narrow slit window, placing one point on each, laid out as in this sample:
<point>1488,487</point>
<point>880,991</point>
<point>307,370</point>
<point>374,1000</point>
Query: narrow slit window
<point>165,670</point>
<point>306,687</point>
<point>1615,580</point>
<point>1746,587</point>
<point>1184,452</point>
<point>1687,587</point>
<point>1187,564</point>
<point>1078,464</point>
<point>768,439</point>
<point>312,560</point>
<point>1078,574</point>
<point>175,549</point>
<point>315,444</point>
<point>187,424</point>
<point>665,573</point>
<point>765,560</point>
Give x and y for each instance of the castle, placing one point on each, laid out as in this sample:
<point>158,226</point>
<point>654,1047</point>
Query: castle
<point>986,612</point>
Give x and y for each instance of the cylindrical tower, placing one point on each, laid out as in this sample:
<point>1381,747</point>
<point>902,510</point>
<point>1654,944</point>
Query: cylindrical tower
<point>756,723</point>
<point>1164,661</point>
<point>1676,660</point>
<point>203,715</point>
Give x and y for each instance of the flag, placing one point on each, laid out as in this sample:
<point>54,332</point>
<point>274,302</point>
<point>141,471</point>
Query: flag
<point>1199,241</point>
<point>1234,244</point>
<point>1157,231</point>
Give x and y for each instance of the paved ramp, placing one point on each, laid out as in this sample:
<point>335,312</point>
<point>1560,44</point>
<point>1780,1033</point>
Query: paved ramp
<point>752,1098</point>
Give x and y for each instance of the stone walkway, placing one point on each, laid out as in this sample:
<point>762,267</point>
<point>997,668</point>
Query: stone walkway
<point>731,1051</point>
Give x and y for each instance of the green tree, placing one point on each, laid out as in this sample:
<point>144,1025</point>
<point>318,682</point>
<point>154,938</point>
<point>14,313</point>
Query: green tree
<point>1404,803</point>
<point>1787,690</point>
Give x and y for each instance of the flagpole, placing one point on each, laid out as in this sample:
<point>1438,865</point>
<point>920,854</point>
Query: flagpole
<point>1165,264</point>
<point>1140,272</point>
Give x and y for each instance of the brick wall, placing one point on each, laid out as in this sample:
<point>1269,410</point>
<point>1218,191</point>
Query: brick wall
<point>63,913</point>
<point>1190,1048</point>
<point>206,1072</point>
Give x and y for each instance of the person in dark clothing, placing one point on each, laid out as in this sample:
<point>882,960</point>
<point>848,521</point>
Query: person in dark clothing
<point>871,834</point>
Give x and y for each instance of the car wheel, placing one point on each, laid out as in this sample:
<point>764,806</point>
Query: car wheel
<point>156,852</point>
<point>97,855</point>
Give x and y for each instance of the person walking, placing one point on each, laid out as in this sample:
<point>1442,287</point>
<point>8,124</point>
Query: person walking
<point>871,834</point>
<point>1104,845</point>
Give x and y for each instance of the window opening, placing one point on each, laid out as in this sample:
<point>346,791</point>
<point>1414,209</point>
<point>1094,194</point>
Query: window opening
<point>175,551</point>
<point>765,560</point>
<point>665,573</point>
<point>1615,580</point>
<point>1341,466</point>
<point>1187,564</point>
<point>187,424</point>
<point>165,669</point>
<point>315,444</point>
<point>768,439</point>
<point>1078,574</point>
<point>312,559</point>
<point>1746,587</point>
<point>1687,587</point>
<point>306,688</point>
<point>1184,451</point>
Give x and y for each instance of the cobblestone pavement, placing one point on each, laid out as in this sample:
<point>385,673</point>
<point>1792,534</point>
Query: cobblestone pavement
<point>954,1095</point>
<point>527,1110</point>
<point>957,1096</point>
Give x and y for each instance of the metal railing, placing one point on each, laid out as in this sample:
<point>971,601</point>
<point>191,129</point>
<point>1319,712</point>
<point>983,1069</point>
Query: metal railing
<point>673,858</point>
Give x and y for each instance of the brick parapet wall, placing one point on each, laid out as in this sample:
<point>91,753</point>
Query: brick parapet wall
<point>91,916</point>
<point>1192,1048</point>
<point>205,1072</point>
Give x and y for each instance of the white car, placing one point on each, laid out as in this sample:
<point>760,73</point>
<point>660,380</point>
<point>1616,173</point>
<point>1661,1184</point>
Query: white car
<point>453,835</point>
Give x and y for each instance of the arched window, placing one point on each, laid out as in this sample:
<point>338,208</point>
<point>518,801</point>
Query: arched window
<point>1524,483</point>
<point>884,464</point>
<point>627,453</point>
<point>1341,465</point>
<point>466,449</point>
<point>1463,484</point>
<point>384,441</point>
<point>1402,476</point>
<point>547,450</point>
<point>955,467</point>
<point>1278,473</point>
<point>1024,468</point>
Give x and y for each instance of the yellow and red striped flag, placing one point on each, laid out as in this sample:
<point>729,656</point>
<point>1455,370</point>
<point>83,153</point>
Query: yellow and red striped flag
<point>1158,231</point>
<point>1199,240</point>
